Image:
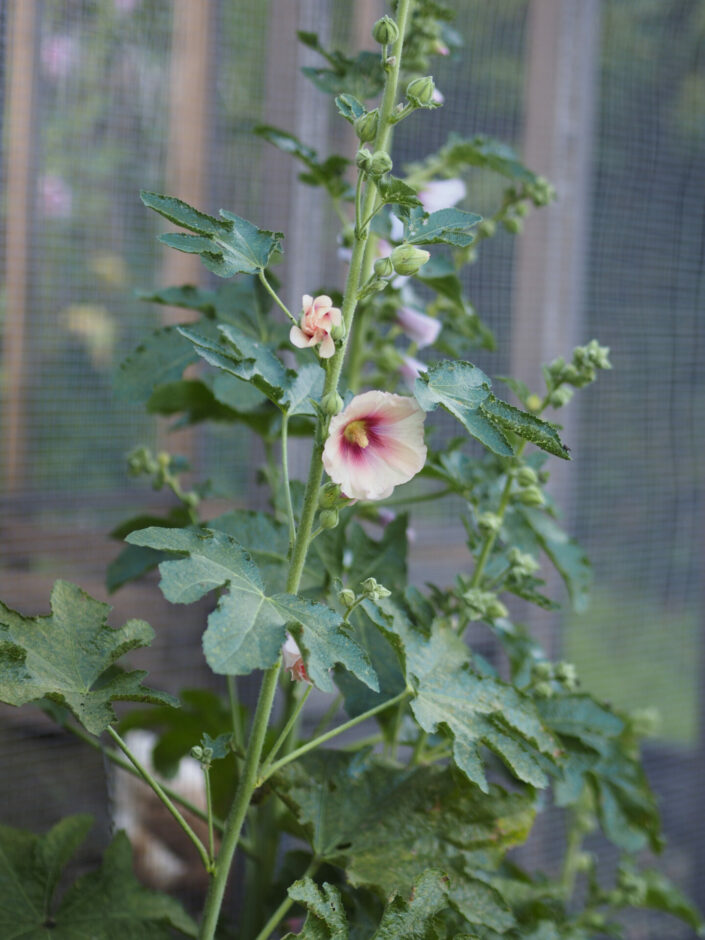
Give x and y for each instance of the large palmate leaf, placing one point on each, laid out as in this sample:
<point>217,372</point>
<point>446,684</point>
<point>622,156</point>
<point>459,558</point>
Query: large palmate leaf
<point>412,918</point>
<point>106,904</point>
<point>465,391</point>
<point>227,246</point>
<point>161,357</point>
<point>386,825</point>
<point>66,657</point>
<point>326,914</point>
<point>247,629</point>
<point>476,710</point>
<point>447,226</point>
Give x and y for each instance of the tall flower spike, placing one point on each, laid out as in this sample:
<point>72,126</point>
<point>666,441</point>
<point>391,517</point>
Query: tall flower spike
<point>375,444</point>
<point>318,318</point>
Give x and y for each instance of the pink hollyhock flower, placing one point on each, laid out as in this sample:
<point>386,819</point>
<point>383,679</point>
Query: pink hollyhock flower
<point>318,318</point>
<point>438,97</point>
<point>375,444</point>
<point>411,369</point>
<point>59,54</point>
<point>421,329</point>
<point>442,194</point>
<point>293,660</point>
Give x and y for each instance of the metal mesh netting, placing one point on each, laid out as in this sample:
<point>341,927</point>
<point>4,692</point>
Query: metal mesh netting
<point>103,126</point>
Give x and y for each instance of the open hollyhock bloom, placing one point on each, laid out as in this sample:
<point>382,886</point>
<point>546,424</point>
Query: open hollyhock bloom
<point>318,318</point>
<point>375,444</point>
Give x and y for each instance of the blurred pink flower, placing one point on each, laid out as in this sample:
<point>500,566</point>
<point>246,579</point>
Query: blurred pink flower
<point>125,6</point>
<point>438,97</point>
<point>59,54</point>
<point>442,194</point>
<point>375,444</point>
<point>420,328</point>
<point>318,318</point>
<point>411,369</point>
<point>293,660</point>
<point>55,196</point>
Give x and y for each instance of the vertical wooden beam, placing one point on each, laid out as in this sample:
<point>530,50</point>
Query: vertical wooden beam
<point>562,75</point>
<point>187,156</point>
<point>22,36</point>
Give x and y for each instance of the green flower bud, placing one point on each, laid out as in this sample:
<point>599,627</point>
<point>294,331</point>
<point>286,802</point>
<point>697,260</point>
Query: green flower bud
<point>380,164</point>
<point>408,259</point>
<point>542,671</point>
<point>560,396</point>
<point>527,476</point>
<point>385,31</point>
<point>346,597</point>
<point>496,609</point>
<point>329,496</point>
<point>419,91</point>
<point>337,332</point>
<point>543,689</point>
<point>366,126</point>
<point>372,589</point>
<point>384,267</point>
<point>598,355</point>
<point>487,228</point>
<point>332,403</point>
<point>567,674</point>
<point>490,521</point>
<point>533,402</point>
<point>363,158</point>
<point>513,225</point>
<point>328,518</point>
<point>521,209</point>
<point>196,752</point>
<point>522,563</point>
<point>531,496</point>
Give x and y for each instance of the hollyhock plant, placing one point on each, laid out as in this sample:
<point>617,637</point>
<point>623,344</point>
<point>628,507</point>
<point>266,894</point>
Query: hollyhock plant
<point>420,328</point>
<point>318,318</point>
<point>375,444</point>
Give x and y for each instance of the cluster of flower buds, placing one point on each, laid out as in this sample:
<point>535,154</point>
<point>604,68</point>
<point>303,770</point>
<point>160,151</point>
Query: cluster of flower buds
<point>484,605</point>
<point>374,164</point>
<point>544,676</point>
<point>371,589</point>
<point>521,564</point>
<point>204,755</point>
<point>529,492</point>
<point>579,372</point>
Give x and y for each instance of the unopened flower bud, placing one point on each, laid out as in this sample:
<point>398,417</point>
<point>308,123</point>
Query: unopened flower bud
<point>531,496</point>
<point>374,590</point>
<point>337,331</point>
<point>542,670</point>
<point>328,518</point>
<point>513,225</point>
<point>487,228</point>
<point>419,91</point>
<point>560,396</point>
<point>197,752</point>
<point>380,164</point>
<point>363,158</point>
<point>521,209</point>
<point>489,521</point>
<point>543,689</point>
<point>329,496</point>
<point>496,609</point>
<point>346,597</point>
<point>332,403</point>
<point>598,355</point>
<point>567,674</point>
<point>408,259</point>
<point>385,31</point>
<point>366,126</point>
<point>384,267</point>
<point>527,476</point>
<point>533,403</point>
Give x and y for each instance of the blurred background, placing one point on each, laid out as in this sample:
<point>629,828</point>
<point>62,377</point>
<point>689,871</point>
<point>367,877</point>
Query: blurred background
<point>100,98</point>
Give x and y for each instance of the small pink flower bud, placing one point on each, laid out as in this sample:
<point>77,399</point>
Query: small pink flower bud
<point>293,660</point>
<point>318,318</point>
<point>411,369</point>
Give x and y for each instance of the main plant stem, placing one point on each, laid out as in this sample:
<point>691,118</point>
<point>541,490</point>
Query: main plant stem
<point>250,769</point>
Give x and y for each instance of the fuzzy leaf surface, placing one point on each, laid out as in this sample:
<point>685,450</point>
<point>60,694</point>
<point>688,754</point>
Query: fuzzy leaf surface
<point>65,655</point>
<point>447,227</point>
<point>161,357</point>
<point>247,629</point>
<point>227,246</point>
<point>413,918</point>
<point>461,388</point>
<point>525,425</point>
<point>106,904</point>
<point>326,913</point>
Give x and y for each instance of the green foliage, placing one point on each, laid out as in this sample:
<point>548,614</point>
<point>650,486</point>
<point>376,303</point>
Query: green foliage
<point>445,227</point>
<point>106,904</point>
<point>247,629</point>
<point>69,657</point>
<point>227,247</point>
<point>329,173</point>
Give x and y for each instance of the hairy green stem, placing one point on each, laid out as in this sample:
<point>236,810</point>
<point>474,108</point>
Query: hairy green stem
<point>285,474</point>
<point>209,810</point>
<point>321,739</point>
<point>289,724</point>
<point>235,717</point>
<point>158,789</point>
<point>273,294</point>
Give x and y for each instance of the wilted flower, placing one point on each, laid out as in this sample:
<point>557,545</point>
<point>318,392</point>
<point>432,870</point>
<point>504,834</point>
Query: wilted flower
<point>293,660</point>
<point>420,328</point>
<point>411,369</point>
<point>375,444</point>
<point>442,194</point>
<point>318,318</point>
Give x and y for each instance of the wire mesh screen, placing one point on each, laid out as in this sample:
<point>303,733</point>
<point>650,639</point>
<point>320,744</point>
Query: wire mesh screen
<point>103,126</point>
